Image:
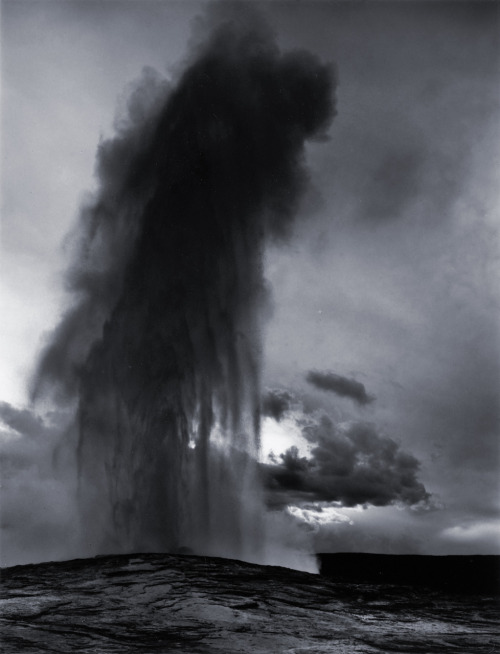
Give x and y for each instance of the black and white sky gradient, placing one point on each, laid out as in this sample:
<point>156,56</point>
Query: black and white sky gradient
<point>381,353</point>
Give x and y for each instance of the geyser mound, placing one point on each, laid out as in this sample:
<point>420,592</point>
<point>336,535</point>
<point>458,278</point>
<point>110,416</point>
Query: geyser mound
<point>146,603</point>
<point>161,350</point>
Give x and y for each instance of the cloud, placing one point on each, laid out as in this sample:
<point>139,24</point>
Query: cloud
<point>389,530</point>
<point>350,463</point>
<point>394,183</point>
<point>406,285</point>
<point>38,508</point>
<point>383,530</point>
<point>330,381</point>
<point>317,514</point>
<point>23,421</point>
<point>275,403</point>
<point>484,536</point>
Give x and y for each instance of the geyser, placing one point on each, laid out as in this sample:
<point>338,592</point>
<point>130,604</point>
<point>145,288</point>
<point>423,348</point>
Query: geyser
<point>161,349</point>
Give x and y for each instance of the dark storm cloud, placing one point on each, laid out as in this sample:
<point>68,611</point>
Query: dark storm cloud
<point>163,343</point>
<point>354,466</point>
<point>415,295</point>
<point>343,386</point>
<point>275,403</point>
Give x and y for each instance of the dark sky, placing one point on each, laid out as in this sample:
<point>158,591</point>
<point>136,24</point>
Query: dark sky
<point>382,351</point>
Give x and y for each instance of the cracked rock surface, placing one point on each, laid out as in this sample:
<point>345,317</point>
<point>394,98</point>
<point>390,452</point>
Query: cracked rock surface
<point>165,603</point>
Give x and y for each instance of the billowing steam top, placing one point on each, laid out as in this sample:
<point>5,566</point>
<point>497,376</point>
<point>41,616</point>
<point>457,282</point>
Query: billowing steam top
<point>161,350</point>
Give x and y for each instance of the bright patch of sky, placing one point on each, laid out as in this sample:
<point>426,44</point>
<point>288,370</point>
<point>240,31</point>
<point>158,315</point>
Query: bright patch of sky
<point>277,437</point>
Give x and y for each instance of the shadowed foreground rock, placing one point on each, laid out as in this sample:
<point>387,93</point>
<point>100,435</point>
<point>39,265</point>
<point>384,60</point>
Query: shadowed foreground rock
<point>164,603</point>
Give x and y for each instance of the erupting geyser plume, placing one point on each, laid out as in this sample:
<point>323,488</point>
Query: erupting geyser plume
<point>161,351</point>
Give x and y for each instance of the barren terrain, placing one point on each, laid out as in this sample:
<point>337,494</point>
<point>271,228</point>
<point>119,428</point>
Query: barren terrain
<point>165,603</point>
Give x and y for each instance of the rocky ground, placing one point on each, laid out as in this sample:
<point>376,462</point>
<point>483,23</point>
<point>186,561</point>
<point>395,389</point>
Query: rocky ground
<point>164,603</point>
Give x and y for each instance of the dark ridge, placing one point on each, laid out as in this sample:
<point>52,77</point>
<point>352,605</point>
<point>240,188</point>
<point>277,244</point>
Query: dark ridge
<point>463,574</point>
